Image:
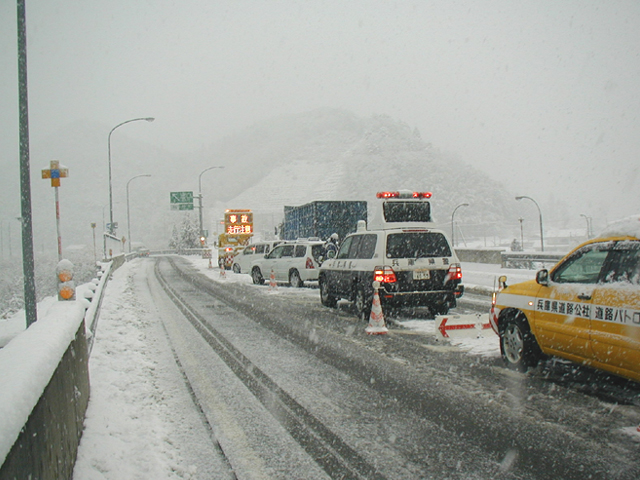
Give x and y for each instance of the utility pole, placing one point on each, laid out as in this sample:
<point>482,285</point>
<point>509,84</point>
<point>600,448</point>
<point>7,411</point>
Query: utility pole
<point>28,267</point>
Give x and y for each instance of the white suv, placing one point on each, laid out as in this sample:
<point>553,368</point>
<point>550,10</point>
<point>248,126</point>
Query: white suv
<point>415,267</point>
<point>291,262</point>
<point>414,263</point>
<point>243,260</point>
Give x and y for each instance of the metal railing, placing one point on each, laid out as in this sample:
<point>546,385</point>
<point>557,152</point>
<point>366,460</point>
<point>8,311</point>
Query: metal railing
<point>530,260</point>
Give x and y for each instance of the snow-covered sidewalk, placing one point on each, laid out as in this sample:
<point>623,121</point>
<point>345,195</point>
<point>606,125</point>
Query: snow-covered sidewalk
<point>141,421</point>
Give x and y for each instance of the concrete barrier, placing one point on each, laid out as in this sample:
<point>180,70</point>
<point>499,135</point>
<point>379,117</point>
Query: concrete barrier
<point>47,445</point>
<point>44,388</point>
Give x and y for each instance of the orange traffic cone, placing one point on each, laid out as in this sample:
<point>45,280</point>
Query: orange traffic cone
<point>223,273</point>
<point>376,319</point>
<point>273,286</point>
<point>210,264</point>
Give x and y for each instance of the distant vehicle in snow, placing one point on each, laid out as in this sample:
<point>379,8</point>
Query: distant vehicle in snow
<point>243,260</point>
<point>321,219</point>
<point>293,262</point>
<point>238,231</point>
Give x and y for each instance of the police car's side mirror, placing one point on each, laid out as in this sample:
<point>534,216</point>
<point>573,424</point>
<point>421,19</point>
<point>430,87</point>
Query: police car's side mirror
<point>331,254</point>
<point>542,277</point>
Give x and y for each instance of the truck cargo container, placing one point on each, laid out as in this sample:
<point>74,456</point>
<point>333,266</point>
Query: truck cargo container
<point>322,218</point>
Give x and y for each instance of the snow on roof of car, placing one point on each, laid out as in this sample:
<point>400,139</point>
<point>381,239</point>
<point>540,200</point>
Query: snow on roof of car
<point>626,227</point>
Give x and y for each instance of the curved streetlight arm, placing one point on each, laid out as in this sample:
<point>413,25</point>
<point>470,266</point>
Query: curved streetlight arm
<point>520,197</point>
<point>146,119</point>
<point>128,215</point>
<point>452,214</point>
<point>200,195</point>
<point>200,177</point>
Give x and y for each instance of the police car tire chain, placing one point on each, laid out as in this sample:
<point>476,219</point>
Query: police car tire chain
<point>327,449</point>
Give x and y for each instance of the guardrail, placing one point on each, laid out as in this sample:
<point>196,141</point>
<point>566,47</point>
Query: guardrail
<point>530,261</point>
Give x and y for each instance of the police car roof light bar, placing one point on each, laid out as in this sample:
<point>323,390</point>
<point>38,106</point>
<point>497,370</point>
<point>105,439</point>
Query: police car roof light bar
<point>403,194</point>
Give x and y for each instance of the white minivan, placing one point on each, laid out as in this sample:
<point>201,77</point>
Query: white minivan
<point>243,260</point>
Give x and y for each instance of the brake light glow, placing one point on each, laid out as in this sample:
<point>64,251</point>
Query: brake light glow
<point>403,194</point>
<point>454,273</point>
<point>384,275</point>
<point>309,264</point>
<point>388,194</point>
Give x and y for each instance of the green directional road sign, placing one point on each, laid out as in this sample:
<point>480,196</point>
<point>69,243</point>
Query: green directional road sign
<point>181,200</point>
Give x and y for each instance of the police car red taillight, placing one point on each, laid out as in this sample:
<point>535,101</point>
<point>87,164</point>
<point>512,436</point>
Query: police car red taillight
<point>384,275</point>
<point>455,272</point>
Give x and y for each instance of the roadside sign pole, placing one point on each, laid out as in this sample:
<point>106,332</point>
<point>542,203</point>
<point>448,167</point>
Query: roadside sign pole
<point>55,172</point>
<point>58,224</point>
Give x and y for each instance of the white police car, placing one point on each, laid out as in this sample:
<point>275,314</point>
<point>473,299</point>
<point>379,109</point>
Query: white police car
<point>413,261</point>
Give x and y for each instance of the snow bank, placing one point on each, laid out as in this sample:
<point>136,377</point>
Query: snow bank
<point>28,362</point>
<point>626,227</point>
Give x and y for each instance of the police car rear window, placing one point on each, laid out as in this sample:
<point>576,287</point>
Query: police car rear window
<point>417,245</point>
<point>407,211</point>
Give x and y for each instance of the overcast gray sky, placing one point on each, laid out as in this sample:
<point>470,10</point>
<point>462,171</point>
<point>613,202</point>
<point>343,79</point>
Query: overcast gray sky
<point>544,94</point>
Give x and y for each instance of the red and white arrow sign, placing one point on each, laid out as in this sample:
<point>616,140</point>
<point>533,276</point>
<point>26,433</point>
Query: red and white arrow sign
<point>448,323</point>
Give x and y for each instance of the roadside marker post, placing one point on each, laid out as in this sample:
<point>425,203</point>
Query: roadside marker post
<point>55,172</point>
<point>273,286</point>
<point>376,318</point>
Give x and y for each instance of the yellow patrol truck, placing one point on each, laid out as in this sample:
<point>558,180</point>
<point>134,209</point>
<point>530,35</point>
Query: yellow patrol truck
<point>585,309</point>
<point>238,230</point>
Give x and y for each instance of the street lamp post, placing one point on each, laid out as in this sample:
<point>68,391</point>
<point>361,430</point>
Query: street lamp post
<point>200,196</point>
<point>452,229</point>
<point>112,229</point>
<point>521,233</point>
<point>128,215</point>
<point>520,197</point>
<point>588,219</point>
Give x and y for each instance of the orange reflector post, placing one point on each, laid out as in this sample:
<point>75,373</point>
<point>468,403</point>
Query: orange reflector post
<point>66,285</point>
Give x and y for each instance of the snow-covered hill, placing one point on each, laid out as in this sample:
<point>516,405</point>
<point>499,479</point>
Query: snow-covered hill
<point>325,154</point>
<point>330,154</point>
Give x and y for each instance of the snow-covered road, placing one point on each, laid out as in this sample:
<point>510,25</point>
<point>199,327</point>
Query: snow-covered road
<point>142,421</point>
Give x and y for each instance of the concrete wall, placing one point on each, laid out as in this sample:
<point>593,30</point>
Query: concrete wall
<point>42,416</point>
<point>479,256</point>
<point>48,444</point>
